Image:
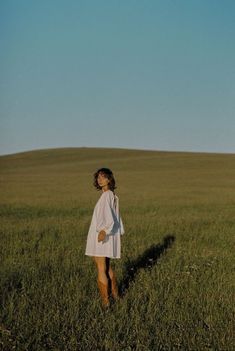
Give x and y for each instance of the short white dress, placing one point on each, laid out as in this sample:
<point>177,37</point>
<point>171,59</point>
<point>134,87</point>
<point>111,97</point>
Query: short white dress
<point>106,217</point>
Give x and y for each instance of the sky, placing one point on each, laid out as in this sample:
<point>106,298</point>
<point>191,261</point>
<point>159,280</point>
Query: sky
<point>154,75</point>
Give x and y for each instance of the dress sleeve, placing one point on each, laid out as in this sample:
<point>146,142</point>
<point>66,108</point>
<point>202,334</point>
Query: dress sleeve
<point>105,218</point>
<point>122,230</point>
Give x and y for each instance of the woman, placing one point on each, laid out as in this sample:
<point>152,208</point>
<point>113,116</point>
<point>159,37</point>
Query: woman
<point>103,240</point>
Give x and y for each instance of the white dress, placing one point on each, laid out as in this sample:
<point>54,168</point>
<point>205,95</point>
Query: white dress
<point>105,216</point>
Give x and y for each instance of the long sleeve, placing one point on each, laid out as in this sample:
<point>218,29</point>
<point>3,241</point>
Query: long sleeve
<point>105,218</point>
<point>120,222</point>
<point>122,231</point>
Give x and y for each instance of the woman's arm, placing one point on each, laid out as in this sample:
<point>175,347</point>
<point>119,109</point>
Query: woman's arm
<point>105,220</point>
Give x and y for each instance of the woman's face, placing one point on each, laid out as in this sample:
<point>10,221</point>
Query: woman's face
<point>102,180</point>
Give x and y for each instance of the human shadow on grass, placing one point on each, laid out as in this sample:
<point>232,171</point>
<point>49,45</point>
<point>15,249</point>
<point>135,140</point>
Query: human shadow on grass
<point>147,260</point>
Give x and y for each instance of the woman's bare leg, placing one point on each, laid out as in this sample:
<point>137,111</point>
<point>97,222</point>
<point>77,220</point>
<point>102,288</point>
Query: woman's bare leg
<point>101,269</point>
<point>103,279</point>
<point>110,272</point>
<point>113,280</point>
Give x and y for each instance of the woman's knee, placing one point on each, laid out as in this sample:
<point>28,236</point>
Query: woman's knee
<point>110,272</point>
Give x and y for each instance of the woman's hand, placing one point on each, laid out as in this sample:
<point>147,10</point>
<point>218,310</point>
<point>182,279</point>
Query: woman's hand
<point>101,235</point>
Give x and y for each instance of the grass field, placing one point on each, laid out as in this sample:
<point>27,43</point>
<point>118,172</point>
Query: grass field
<point>177,266</point>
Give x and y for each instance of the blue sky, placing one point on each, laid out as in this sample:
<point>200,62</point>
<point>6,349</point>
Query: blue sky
<point>151,74</point>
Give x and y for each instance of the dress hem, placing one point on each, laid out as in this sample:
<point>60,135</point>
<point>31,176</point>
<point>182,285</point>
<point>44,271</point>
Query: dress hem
<point>87,254</point>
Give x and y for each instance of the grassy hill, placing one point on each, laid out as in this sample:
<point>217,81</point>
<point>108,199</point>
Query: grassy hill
<point>177,251</point>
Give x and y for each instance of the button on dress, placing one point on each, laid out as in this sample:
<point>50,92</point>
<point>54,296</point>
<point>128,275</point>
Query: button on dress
<point>106,217</point>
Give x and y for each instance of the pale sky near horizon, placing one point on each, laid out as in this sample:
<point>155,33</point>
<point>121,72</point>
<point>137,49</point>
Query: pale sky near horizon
<point>156,75</point>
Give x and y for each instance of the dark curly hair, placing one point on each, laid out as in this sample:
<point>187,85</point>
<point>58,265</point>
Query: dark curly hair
<point>108,174</point>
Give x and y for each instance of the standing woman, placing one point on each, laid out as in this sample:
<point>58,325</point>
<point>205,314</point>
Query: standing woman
<point>103,239</point>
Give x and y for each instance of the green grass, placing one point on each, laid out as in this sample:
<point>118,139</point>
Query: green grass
<point>178,296</point>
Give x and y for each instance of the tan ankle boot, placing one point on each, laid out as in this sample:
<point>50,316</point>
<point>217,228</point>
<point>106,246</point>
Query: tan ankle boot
<point>114,287</point>
<point>103,293</point>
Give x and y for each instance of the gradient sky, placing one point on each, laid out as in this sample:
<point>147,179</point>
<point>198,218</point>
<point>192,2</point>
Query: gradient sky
<point>141,74</point>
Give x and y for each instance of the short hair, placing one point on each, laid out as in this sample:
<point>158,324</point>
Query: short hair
<point>108,174</point>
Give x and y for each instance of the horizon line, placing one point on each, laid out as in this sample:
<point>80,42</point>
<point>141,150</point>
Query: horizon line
<point>116,148</point>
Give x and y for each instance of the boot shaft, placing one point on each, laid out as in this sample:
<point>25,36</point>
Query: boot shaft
<point>103,289</point>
